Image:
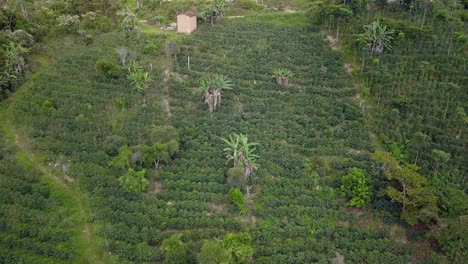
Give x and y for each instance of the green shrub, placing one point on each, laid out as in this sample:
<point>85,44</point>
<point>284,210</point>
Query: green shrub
<point>134,181</point>
<point>151,49</point>
<point>236,178</point>
<point>355,186</point>
<point>237,198</point>
<point>48,104</point>
<point>107,68</point>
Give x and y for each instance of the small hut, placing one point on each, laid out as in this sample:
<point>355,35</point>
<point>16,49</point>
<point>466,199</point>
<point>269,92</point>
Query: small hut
<point>186,23</point>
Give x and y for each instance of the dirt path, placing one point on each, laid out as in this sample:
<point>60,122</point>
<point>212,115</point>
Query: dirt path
<point>90,250</point>
<point>167,108</point>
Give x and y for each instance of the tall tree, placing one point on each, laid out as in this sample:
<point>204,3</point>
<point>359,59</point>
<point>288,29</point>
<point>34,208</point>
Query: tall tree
<point>15,57</point>
<point>139,78</point>
<point>211,89</point>
<point>215,12</point>
<point>174,250</point>
<point>409,188</point>
<point>213,252</point>
<point>337,13</point>
<point>376,38</point>
<point>283,76</point>
<point>129,22</point>
<point>238,246</point>
<point>241,152</point>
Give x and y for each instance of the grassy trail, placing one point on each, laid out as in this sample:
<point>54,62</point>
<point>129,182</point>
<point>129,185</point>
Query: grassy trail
<point>90,249</point>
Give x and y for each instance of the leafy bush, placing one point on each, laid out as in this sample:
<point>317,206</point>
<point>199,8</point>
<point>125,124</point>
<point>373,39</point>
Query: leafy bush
<point>236,178</point>
<point>134,181</point>
<point>237,198</point>
<point>107,68</point>
<point>355,186</point>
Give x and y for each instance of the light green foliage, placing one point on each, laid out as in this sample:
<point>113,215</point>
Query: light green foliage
<point>129,22</point>
<point>238,246</point>
<point>377,37</point>
<point>48,104</point>
<point>174,250</point>
<point>138,78</point>
<point>211,89</point>
<point>237,198</point>
<point>15,58</point>
<point>122,160</point>
<point>69,23</point>
<point>441,158</point>
<point>411,190</point>
<point>134,181</point>
<point>165,143</point>
<point>241,152</point>
<point>283,76</point>
<point>20,37</point>
<point>95,21</point>
<point>213,252</point>
<point>234,248</point>
<point>158,152</point>
<point>355,187</point>
<point>215,11</point>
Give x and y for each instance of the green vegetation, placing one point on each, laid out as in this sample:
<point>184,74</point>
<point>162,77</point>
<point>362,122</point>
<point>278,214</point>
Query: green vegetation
<point>355,187</point>
<point>174,250</point>
<point>237,198</point>
<point>134,181</point>
<point>355,114</point>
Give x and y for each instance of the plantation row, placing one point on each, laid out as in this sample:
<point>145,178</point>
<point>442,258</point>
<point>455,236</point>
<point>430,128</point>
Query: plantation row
<point>294,214</point>
<point>35,223</point>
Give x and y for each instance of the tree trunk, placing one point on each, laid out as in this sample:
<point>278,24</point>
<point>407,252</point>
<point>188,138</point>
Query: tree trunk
<point>188,62</point>
<point>362,64</point>
<point>404,195</point>
<point>459,132</point>
<point>424,17</point>
<point>417,156</point>
<point>446,109</point>
<point>338,29</point>
<point>25,11</point>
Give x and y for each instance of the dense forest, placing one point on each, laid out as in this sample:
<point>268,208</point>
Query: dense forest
<point>277,132</point>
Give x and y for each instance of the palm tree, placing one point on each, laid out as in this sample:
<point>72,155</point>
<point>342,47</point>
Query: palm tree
<point>211,89</point>
<point>15,57</point>
<point>139,78</point>
<point>241,153</point>
<point>215,11</point>
<point>283,75</point>
<point>376,38</point>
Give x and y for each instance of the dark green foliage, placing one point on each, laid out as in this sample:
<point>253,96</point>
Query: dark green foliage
<point>36,224</point>
<point>236,178</point>
<point>410,189</point>
<point>298,220</point>
<point>171,49</point>
<point>452,238</point>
